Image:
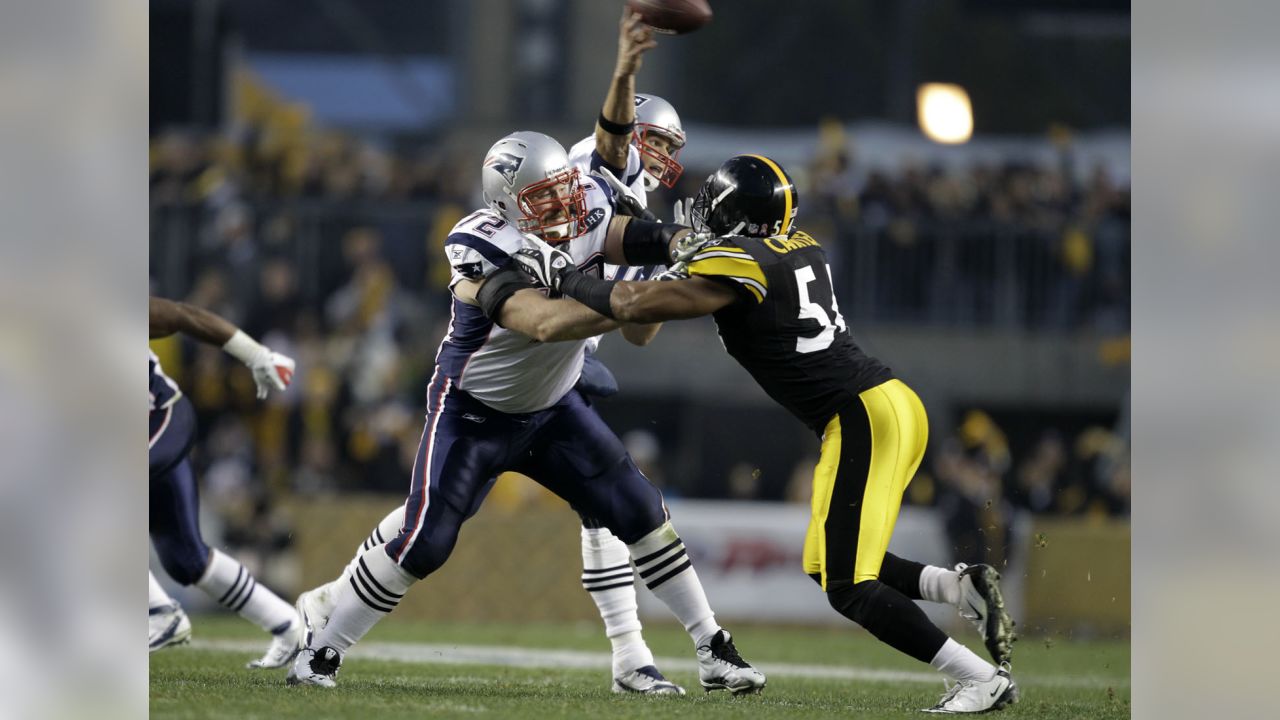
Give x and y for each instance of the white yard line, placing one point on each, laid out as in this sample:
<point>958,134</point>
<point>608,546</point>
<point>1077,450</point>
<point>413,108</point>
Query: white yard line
<point>510,656</point>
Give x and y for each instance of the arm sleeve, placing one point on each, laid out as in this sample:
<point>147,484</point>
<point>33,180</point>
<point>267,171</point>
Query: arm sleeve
<point>734,266</point>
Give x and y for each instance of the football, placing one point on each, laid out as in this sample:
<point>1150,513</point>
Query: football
<point>673,17</point>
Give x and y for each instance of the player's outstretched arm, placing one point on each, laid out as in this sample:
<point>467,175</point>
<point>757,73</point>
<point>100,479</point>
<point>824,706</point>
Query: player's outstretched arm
<point>271,370</point>
<point>527,311</point>
<point>618,116</point>
<point>168,317</point>
<point>635,242</point>
<point>652,301</point>
<point>628,302</point>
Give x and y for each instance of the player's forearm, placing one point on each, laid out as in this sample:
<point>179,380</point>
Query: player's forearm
<point>617,118</point>
<point>168,317</point>
<point>648,302</point>
<point>529,313</point>
<point>574,321</point>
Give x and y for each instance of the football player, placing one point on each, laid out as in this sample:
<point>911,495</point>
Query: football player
<point>503,398</point>
<point>769,289</point>
<point>634,149</point>
<point>175,500</point>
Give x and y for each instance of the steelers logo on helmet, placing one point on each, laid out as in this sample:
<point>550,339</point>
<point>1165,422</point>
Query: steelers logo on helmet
<point>748,195</point>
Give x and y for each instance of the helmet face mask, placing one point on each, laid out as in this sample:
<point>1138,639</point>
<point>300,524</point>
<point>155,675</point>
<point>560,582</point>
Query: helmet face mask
<point>658,137</point>
<point>552,208</point>
<point>659,148</point>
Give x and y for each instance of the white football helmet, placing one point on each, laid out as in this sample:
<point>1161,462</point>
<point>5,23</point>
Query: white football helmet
<point>659,137</point>
<point>527,179</point>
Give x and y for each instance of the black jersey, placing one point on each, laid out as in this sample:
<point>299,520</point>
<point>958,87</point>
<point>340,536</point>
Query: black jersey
<point>786,329</point>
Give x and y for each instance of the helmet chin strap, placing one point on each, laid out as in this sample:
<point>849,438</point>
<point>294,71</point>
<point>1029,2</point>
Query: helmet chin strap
<point>650,182</point>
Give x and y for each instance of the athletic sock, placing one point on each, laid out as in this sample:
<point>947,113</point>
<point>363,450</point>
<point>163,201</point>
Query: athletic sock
<point>940,585</point>
<point>375,588</point>
<point>667,571</point>
<point>234,587</point>
<point>382,533</point>
<point>156,596</point>
<point>609,580</point>
<point>961,664</point>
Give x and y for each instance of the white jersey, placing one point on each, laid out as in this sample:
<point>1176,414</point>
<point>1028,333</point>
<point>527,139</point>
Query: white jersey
<point>583,156</point>
<point>506,370</point>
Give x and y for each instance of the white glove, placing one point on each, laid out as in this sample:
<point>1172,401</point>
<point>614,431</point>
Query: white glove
<point>682,213</point>
<point>689,245</point>
<point>271,370</point>
<point>679,271</point>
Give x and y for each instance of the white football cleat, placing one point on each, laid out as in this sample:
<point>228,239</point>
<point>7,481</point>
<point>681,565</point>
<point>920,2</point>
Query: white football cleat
<point>645,681</point>
<point>315,606</point>
<point>975,697</point>
<point>168,625</point>
<point>284,645</point>
<point>720,667</point>
<point>315,667</point>
<point>982,604</point>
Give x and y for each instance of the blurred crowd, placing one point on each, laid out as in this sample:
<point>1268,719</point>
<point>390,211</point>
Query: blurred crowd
<point>327,246</point>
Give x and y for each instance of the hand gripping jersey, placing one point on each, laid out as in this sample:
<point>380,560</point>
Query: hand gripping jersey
<point>506,370</point>
<point>786,329</point>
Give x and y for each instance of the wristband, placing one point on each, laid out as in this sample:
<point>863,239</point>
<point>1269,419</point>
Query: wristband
<point>614,128</point>
<point>498,288</point>
<point>648,243</point>
<point>244,348</point>
<point>589,291</point>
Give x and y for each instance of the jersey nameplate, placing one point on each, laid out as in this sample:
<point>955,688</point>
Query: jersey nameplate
<point>783,245</point>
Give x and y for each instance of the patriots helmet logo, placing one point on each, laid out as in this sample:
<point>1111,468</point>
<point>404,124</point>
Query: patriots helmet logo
<point>641,100</point>
<point>506,164</point>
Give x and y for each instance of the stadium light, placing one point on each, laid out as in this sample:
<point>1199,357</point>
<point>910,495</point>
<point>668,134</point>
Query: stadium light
<point>945,114</point>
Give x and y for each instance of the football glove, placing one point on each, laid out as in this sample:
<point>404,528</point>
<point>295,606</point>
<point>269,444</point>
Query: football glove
<point>689,245</point>
<point>682,212</point>
<point>271,370</point>
<point>544,264</point>
<point>679,271</point>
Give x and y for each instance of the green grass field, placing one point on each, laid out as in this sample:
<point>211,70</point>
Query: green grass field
<point>817,673</point>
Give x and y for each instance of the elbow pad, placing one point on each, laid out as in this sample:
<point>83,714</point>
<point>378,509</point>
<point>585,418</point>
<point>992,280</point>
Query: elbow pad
<point>498,288</point>
<point>648,243</point>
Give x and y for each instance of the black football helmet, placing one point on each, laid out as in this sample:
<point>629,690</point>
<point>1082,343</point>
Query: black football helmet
<point>749,195</point>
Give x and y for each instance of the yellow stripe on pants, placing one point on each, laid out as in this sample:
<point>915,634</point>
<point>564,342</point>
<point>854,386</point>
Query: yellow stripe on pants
<point>899,433</point>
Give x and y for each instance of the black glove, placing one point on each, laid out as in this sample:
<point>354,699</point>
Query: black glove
<point>545,265</point>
